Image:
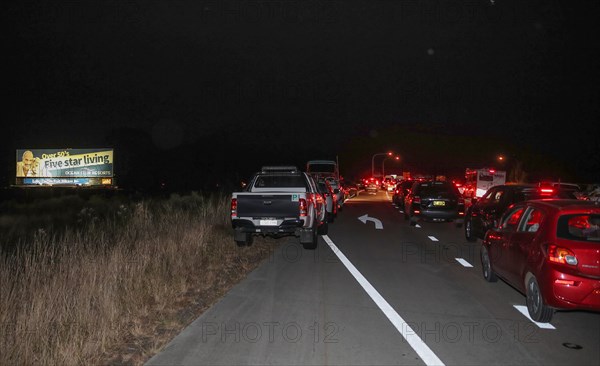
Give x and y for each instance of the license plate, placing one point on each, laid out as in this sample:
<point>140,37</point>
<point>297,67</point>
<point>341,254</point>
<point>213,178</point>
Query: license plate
<point>268,222</point>
<point>439,203</point>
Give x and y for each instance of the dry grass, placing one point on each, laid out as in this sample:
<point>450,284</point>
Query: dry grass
<point>115,292</point>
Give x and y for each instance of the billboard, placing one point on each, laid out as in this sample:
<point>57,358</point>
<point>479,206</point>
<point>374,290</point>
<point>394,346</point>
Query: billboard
<point>64,166</point>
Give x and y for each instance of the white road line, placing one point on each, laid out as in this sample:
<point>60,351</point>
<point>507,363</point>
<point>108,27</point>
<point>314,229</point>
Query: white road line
<point>523,310</point>
<point>405,330</point>
<point>418,226</point>
<point>433,238</point>
<point>463,262</point>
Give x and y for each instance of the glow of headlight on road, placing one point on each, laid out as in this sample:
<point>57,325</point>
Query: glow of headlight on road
<point>406,331</point>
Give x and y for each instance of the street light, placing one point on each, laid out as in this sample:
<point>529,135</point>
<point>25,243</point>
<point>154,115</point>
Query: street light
<point>373,162</point>
<point>383,165</point>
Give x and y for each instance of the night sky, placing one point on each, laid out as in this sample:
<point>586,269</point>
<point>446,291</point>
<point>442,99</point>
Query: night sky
<point>198,93</point>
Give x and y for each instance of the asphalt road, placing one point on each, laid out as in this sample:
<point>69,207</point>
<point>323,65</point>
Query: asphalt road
<point>367,296</point>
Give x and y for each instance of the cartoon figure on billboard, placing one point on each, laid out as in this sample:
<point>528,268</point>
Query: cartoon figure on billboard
<point>27,167</point>
<point>30,166</point>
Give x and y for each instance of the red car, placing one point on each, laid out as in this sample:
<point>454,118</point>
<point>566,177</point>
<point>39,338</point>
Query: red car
<point>549,250</point>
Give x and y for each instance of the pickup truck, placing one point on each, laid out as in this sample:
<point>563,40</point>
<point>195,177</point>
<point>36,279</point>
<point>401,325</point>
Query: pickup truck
<point>279,201</point>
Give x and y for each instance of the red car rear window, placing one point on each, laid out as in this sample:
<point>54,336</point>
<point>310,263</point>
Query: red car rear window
<point>582,227</point>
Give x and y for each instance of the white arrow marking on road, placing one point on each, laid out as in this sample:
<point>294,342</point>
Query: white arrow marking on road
<point>463,262</point>
<point>523,310</point>
<point>433,238</point>
<point>364,218</point>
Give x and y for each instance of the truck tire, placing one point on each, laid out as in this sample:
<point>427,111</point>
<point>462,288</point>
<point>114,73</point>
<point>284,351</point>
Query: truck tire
<point>312,244</point>
<point>324,228</point>
<point>330,217</point>
<point>246,242</point>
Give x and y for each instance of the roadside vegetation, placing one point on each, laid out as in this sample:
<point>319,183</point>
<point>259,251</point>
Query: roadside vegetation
<point>114,281</point>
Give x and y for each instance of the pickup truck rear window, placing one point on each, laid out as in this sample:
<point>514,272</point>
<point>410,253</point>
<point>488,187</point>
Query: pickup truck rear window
<point>280,181</point>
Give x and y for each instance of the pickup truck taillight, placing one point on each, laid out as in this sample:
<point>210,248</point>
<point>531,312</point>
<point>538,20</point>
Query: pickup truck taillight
<point>303,207</point>
<point>234,207</point>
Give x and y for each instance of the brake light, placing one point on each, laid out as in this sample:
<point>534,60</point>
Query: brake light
<point>303,207</point>
<point>320,198</point>
<point>234,207</point>
<point>546,190</point>
<point>561,255</point>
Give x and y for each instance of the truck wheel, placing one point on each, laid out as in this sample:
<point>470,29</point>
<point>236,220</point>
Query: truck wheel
<point>246,242</point>
<point>311,245</point>
<point>324,228</point>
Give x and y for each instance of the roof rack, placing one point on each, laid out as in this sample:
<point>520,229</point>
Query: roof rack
<point>279,168</point>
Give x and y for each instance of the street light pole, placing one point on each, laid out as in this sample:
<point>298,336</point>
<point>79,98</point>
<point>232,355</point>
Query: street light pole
<point>373,162</point>
<point>383,165</point>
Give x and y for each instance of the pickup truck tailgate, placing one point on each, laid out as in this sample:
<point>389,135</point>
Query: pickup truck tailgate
<point>267,205</point>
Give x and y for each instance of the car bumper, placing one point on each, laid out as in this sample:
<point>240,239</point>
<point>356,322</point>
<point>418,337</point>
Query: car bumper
<point>285,226</point>
<point>566,291</point>
<point>438,214</point>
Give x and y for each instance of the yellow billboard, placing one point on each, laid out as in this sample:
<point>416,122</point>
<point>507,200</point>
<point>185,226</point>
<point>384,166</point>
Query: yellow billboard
<point>64,163</point>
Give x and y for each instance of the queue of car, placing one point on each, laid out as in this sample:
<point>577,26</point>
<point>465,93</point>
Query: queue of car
<point>543,239</point>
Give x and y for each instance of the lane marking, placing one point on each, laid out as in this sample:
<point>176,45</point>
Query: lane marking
<point>463,262</point>
<point>523,310</point>
<point>405,330</point>
<point>364,218</point>
<point>433,238</point>
<point>418,226</point>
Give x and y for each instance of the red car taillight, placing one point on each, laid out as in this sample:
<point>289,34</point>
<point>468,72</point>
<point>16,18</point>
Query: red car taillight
<point>234,207</point>
<point>303,207</point>
<point>561,255</point>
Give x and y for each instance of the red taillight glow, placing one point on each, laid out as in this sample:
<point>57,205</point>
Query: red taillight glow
<point>546,190</point>
<point>565,282</point>
<point>303,207</point>
<point>417,200</point>
<point>561,255</point>
<point>234,207</point>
